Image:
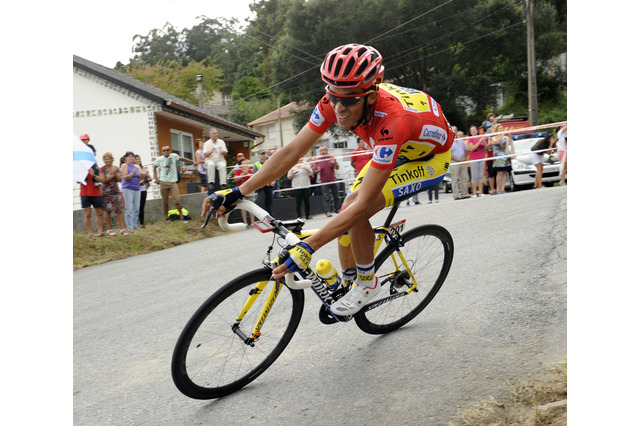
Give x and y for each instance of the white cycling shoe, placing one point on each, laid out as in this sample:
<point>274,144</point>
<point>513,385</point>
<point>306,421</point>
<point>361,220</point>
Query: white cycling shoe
<point>355,299</point>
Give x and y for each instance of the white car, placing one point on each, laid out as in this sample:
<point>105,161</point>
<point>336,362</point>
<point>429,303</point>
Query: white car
<point>523,173</point>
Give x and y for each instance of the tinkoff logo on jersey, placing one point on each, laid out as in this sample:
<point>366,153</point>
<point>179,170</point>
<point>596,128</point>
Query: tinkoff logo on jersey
<point>316,118</point>
<point>434,133</point>
<point>384,154</point>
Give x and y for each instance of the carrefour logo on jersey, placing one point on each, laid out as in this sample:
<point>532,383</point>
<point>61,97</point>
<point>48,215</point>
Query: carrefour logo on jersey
<point>316,118</point>
<point>384,154</point>
<point>434,133</point>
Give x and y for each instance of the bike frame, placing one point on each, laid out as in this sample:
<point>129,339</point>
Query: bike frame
<point>318,284</point>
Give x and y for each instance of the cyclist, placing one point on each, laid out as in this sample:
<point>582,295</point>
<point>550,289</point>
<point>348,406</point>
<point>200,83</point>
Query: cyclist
<point>411,140</point>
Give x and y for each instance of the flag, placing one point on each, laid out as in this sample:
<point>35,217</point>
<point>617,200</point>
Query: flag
<point>83,159</point>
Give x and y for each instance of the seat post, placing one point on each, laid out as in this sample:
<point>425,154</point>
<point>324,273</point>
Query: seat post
<point>392,213</point>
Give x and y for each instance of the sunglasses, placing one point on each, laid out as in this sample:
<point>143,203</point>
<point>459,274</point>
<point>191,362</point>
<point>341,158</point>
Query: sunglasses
<point>346,100</point>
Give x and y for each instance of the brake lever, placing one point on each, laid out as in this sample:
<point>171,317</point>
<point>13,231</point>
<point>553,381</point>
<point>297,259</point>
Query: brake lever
<point>208,218</point>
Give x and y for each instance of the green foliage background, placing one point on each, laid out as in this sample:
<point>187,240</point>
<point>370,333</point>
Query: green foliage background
<point>459,51</point>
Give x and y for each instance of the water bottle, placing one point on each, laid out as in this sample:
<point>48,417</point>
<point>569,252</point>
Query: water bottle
<point>325,270</point>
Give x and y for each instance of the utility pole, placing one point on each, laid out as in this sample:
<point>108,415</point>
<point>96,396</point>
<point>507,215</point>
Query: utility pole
<point>531,63</point>
<point>199,90</point>
<point>280,124</point>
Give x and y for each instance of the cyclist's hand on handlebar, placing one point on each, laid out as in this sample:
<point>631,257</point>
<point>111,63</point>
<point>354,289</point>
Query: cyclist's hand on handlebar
<point>297,258</point>
<point>221,201</point>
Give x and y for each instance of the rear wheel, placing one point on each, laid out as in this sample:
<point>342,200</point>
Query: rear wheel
<point>212,359</point>
<point>428,251</point>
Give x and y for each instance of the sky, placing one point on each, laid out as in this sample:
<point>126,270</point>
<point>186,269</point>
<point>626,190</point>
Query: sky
<point>103,32</point>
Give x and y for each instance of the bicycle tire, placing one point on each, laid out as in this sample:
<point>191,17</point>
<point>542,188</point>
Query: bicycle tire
<point>210,360</point>
<point>429,249</point>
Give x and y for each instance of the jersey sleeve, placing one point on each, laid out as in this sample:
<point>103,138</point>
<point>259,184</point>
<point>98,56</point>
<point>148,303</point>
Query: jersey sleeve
<point>323,116</point>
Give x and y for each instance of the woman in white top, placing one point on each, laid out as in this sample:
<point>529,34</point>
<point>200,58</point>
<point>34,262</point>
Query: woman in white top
<point>300,176</point>
<point>562,153</point>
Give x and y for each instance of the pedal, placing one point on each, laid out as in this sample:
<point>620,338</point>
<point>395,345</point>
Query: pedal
<point>326,317</point>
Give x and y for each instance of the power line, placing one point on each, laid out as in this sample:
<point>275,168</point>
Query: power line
<point>409,21</point>
<point>394,58</point>
<point>466,42</point>
<point>367,42</point>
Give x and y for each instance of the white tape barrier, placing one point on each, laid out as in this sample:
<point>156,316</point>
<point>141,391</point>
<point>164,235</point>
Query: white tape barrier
<point>510,132</point>
<point>531,129</point>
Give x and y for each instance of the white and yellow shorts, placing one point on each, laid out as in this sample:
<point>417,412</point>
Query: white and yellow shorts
<point>409,178</point>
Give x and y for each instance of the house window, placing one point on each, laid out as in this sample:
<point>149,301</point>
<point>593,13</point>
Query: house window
<point>271,132</point>
<point>227,100</point>
<point>340,144</point>
<point>182,144</point>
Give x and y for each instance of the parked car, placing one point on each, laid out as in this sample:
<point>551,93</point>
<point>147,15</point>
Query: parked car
<point>445,184</point>
<point>523,173</point>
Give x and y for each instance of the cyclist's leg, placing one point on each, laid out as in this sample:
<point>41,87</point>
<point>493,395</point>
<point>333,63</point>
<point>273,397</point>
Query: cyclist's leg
<point>406,180</point>
<point>345,252</point>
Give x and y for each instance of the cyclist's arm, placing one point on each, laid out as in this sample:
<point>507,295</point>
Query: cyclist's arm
<point>282,161</point>
<point>279,164</point>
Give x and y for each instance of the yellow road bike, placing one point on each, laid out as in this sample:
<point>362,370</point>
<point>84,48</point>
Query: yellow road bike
<point>242,328</point>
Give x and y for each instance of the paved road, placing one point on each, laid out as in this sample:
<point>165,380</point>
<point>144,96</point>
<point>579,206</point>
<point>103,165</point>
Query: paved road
<point>501,316</point>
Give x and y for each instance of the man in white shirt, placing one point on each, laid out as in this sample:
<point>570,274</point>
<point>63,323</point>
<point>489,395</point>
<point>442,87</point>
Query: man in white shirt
<point>215,151</point>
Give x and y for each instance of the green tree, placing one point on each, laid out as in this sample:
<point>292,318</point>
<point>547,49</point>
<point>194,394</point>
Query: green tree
<point>458,51</point>
<point>178,77</point>
<point>159,45</point>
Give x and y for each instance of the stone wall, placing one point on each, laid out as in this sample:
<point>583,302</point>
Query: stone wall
<point>282,208</point>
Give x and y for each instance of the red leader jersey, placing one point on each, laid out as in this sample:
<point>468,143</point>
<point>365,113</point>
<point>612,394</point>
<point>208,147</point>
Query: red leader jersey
<point>406,123</point>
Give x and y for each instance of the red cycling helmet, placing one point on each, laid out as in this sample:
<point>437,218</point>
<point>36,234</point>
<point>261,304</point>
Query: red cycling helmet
<point>83,137</point>
<point>352,66</point>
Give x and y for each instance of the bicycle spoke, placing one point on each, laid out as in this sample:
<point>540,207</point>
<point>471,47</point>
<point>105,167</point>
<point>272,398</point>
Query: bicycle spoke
<point>428,253</point>
<point>211,359</point>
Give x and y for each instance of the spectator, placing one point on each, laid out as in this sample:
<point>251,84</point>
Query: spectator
<point>111,195</point>
<point>459,174</point>
<point>475,146</point>
<point>300,176</point>
<point>562,153</point>
<point>131,191</point>
<point>90,195</point>
<point>202,165</point>
<point>239,158</point>
<point>537,158</point>
<point>85,138</point>
<point>360,156</point>
<point>168,165</point>
<point>276,186</point>
<point>415,200</point>
<point>491,121</point>
<point>502,146</point>
<point>145,178</point>
<point>215,151</point>
<point>240,176</point>
<point>326,165</point>
<point>491,174</point>
<point>264,195</point>
<point>431,190</point>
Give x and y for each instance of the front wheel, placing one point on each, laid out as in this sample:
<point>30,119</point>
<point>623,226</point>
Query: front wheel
<point>213,358</point>
<point>428,251</point>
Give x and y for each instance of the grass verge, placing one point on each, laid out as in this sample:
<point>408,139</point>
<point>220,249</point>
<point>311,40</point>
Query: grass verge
<point>154,237</point>
<point>535,402</point>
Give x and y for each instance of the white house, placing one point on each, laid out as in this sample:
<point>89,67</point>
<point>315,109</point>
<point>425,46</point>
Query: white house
<point>121,113</point>
<point>278,128</point>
